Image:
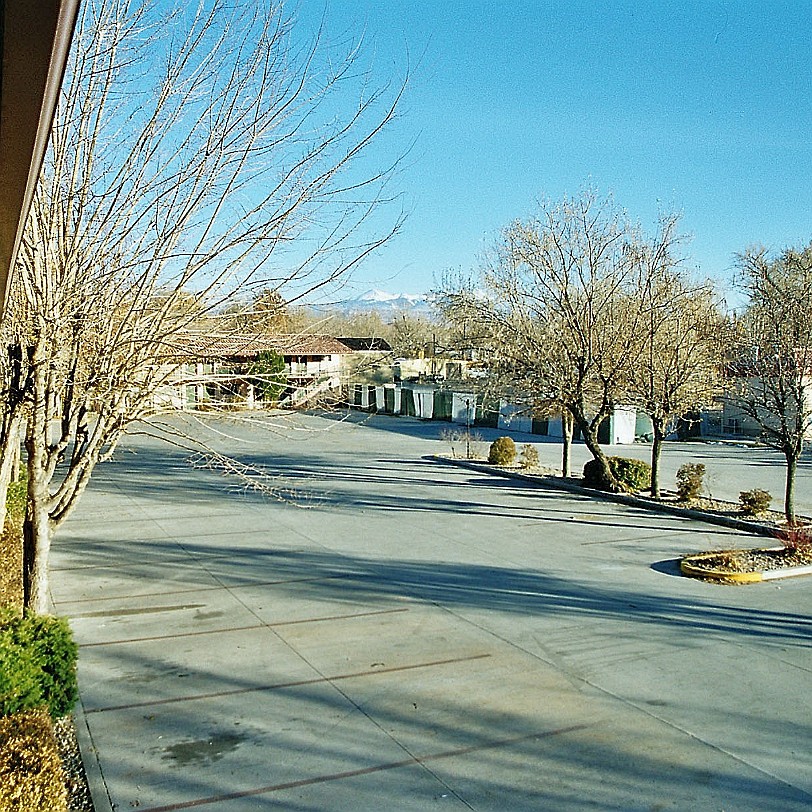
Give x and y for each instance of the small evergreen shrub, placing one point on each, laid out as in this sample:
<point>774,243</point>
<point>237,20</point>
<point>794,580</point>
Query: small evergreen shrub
<point>37,664</point>
<point>755,501</point>
<point>52,639</point>
<point>31,777</point>
<point>690,479</point>
<point>502,451</point>
<point>529,457</point>
<point>594,477</point>
<point>19,674</point>
<point>632,475</point>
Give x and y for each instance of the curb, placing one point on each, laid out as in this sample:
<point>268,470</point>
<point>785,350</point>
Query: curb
<point>687,567</point>
<point>90,761</point>
<point>559,483</point>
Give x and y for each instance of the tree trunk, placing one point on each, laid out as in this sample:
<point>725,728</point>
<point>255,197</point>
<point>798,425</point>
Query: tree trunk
<point>37,526</point>
<point>789,490</point>
<point>589,432</point>
<point>656,451</point>
<point>36,552</point>
<point>9,463</point>
<point>566,446</point>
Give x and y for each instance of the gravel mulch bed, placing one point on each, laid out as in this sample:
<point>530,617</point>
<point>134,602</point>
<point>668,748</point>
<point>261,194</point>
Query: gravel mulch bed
<point>797,554</point>
<point>734,511</point>
<point>758,560</point>
<point>79,799</point>
<point>743,560</point>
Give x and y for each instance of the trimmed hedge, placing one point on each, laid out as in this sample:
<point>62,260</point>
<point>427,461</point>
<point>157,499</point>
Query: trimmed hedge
<point>633,475</point>
<point>31,776</point>
<point>37,664</point>
<point>502,451</point>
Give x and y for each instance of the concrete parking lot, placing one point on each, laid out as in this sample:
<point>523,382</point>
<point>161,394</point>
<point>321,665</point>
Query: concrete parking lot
<point>398,634</point>
<point>731,466</point>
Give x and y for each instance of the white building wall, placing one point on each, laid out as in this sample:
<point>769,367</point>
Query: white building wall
<point>623,425</point>
<point>423,402</point>
<point>513,417</point>
<point>463,407</point>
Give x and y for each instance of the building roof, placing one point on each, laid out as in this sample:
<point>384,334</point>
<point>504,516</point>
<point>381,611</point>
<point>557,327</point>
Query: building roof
<point>250,345</point>
<point>34,42</point>
<point>366,344</point>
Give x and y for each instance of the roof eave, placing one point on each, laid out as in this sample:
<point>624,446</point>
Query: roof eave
<point>36,39</point>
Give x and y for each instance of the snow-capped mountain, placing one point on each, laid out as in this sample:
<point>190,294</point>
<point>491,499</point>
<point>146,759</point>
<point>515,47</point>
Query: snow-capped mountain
<point>383,302</point>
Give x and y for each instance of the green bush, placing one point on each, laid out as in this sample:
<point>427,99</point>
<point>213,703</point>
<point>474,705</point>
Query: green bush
<point>632,475</point>
<point>530,457</point>
<point>502,452</point>
<point>690,479</point>
<point>755,501</point>
<point>19,674</point>
<point>31,776</point>
<point>37,664</point>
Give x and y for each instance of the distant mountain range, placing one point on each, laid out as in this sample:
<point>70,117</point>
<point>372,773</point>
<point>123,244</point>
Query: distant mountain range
<point>385,303</point>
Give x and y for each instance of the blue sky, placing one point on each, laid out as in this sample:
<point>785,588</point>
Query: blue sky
<point>703,107</point>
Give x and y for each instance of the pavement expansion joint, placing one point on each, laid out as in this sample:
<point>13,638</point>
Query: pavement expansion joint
<point>232,629</point>
<point>207,588</point>
<point>292,684</point>
<point>377,768</point>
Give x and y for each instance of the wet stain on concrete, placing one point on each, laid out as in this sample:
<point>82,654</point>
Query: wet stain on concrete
<point>207,615</point>
<point>153,673</point>
<point>203,751</point>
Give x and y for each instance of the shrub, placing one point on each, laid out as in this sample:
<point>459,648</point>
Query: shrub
<point>11,546</point>
<point>16,499</point>
<point>690,480</point>
<point>452,436</point>
<point>37,664</point>
<point>593,476</point>
<point>19,674</point>
<point>755,501</point>
<point>31,777</point>
<point>798,539</point>
<point>529,457</point>
<point>631,474</point>
<point>502,452</point>
<point>52,639</point>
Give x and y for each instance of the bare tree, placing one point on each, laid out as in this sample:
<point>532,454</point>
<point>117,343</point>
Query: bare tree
<point>569,281</point>
<point>264,313</point>
<point>195,151</point>
<point>684,340</point>
<point>772,373</point>
<point>413,336</point>
<point>574,312</point>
